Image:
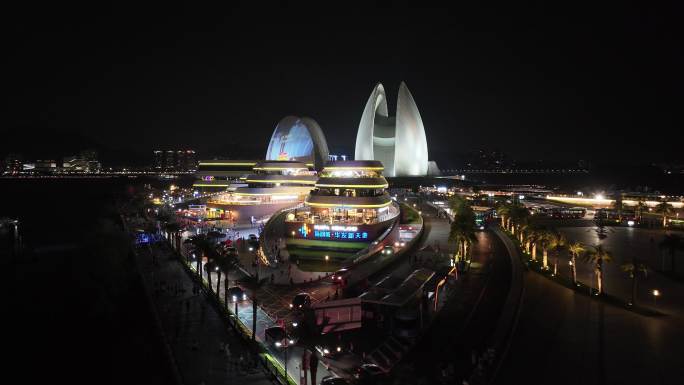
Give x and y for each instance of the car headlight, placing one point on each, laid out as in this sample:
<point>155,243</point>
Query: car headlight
<point>326,351</point>
<point>278,344</point>
<point>290,306</point>
<point>244,297</point>
<point>234,298</point>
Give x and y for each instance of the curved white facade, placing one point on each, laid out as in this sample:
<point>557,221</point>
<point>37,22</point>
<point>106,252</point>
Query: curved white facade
<point>398,142</point>
<point>298,139</point>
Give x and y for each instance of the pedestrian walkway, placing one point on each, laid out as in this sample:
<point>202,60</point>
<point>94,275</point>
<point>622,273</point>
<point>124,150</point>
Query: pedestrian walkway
<point>195,331</point>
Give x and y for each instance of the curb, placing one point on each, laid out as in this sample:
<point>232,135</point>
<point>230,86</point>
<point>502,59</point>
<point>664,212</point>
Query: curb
<point>510,315</point>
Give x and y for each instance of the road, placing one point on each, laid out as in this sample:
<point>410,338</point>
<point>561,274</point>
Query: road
<point>567,338</point>
<point>470,314</point>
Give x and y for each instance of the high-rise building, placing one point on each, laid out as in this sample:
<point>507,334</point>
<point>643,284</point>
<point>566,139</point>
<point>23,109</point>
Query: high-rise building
<point>175,160</point>
<point>158,160</point>
<point>13,164</point>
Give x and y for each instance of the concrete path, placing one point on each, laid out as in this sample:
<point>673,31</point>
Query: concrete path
<point>194,329</point>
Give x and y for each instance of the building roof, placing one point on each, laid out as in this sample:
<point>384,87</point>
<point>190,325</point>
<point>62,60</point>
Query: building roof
<point>392,291</point>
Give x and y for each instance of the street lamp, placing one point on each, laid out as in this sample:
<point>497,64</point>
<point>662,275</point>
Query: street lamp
<point>327,258</point>
<point>656,294</point>
<point>287,346</point>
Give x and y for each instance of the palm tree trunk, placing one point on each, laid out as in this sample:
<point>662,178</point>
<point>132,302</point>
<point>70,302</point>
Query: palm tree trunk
<point>218,285</point>
<point>634,287</point>
<point>574,269</point>
<point>225,290</point>
<point>599,276</point>
<point>209,280</point>
<point>545,257</point>
<point>534,251</point>
<point>664,220</point>
<point>199,266</point>
<point>254,316</point>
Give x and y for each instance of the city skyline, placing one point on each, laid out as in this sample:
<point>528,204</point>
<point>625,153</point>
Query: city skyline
<point>591,80</point>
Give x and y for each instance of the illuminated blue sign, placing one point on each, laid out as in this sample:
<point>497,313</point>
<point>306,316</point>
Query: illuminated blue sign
<point>333,232</point>
<point>341,234</point>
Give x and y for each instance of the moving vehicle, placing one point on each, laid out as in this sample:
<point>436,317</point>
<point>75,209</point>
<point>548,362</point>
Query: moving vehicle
<point>301,301</point>
<point>340,275</point>
<point>277,337</point>
<point>236,294</point>
<point>387,250</point>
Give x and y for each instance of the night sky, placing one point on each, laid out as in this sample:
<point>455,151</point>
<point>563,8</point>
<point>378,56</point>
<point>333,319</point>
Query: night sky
<point>562,83</point>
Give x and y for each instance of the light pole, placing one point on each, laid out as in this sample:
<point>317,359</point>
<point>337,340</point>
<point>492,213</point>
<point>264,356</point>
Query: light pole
<point>285,346</point>
<point>656,294</point>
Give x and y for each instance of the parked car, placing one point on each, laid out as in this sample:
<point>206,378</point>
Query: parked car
<point>370,374</point>
<point>332,380</point>
<point>236,293</point>
<point>301,301</point>
<point>277,337</point>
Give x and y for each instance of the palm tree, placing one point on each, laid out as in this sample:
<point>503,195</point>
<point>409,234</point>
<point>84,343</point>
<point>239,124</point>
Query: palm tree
<point>209,267</point>
<point>254,283</point>
<point>618,206</point>
<point>672,242</point>
<point>545,237</point>
<point>462,230</point>
<point>576,249</point>
<point>665,209</point>
<point>557,242</point>
<point>639,208</point>
<point>519,215</point>
<point>534,237</point>
<point>202,247</point>
<point>227,263</point>
<point>635,268</point>
<point>174,228</point>
<point>504,210</point>
<point>598,256</point>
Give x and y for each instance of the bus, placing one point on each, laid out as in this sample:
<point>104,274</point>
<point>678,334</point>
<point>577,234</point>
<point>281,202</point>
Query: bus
<point>483,215</point>
<point>567,212</point>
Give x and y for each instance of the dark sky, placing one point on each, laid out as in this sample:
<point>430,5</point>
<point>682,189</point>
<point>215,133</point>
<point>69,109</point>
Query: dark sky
<point>558,82</point>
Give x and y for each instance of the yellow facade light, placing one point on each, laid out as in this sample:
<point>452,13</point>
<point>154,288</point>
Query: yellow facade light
<point>281,181</point>
<point>210,185</point>
<point>375,206</point>
<point>228,164</point>
<point>279,168</point>
<point>353,168</point>
<point>262,194</point>
<point>352,185</point>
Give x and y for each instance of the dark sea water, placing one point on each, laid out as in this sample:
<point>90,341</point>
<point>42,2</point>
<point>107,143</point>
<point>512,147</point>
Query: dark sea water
<point>66,322</point>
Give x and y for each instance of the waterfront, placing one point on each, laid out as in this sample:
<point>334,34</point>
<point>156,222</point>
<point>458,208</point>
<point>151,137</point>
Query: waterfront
<point>77,313</point>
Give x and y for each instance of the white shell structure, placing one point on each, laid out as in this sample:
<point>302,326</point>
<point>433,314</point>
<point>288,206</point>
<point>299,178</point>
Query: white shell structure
<point>398,142</point>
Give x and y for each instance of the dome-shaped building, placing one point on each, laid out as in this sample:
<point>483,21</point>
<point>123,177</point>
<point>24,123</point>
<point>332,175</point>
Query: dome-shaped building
<point>298,140</point>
